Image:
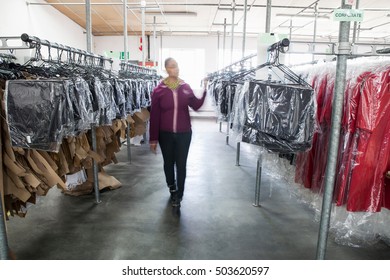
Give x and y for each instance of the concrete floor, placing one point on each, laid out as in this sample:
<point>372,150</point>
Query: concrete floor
<point>216,220</point>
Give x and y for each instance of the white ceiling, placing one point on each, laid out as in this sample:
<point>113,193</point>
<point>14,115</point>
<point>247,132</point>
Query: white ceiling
<point>206,17</point>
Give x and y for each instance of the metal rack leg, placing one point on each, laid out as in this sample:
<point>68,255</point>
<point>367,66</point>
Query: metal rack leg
<point>95,166</point>
<point>3,234</point>
<point>238,154</point>
<point>258,182</point>
<point>128,142</point>
<point>220,126</point>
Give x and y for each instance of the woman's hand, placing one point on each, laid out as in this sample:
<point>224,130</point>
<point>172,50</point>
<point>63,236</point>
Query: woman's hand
<point>205,81</point>
<point>153,147</point>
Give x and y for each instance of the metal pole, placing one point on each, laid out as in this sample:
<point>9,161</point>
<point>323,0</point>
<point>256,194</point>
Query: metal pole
<point>268,17</point>
<point>219,51</point>
<point>95,166</point>
<point>224,42</point>
<point>223,57</point>
<point>244,30</point>
<point>258,181</point>
<point>154,41</point>
<point>238,153</point>
<point>161,45</point>
<point>3,233</point>
<point>338,101</point>
<point>143,5</point>
<point>315,23</point>
<point>228,116</point>
<point>291,26</point>
<point>355,24</point>
<point>232,41</point>
<point>125,36</point>
<point>88,27</point>
<point>313,46</point>
<point>128,142</point>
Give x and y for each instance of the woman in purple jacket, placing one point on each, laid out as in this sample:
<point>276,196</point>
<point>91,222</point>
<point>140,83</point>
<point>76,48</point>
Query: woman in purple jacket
<point>170,126</point>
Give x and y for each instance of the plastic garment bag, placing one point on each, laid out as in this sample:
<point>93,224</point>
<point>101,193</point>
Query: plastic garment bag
<point>280,117</point>
<point>364,151</point>
<point>110,108</point>
<point>82,105</point>
<point>128,91</point>
<point>136,96</point>
<point>371,147</point>
<point>35,113</point>
<point>120,98</point>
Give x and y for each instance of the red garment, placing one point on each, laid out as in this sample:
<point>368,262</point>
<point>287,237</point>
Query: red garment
<point>308,162</point>
<point>370,158</point>
<point>348,128</point>
<point>364,150</point>
<point>386,195</point>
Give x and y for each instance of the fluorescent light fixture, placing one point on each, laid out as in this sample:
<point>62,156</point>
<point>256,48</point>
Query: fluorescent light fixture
<point>293,26</point>
<point>229,9</point>
<point>173,13</point>
<point>302,16</point>
<point>227,24</point>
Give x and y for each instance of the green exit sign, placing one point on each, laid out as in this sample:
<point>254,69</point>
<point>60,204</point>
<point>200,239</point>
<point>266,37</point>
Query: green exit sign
<point>348,15</point>
<point>122,55</point>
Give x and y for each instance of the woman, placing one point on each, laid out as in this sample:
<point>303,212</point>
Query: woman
<point>170,126</point>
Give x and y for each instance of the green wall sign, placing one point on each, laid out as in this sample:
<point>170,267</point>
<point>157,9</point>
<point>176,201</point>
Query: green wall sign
<point>348,15</point>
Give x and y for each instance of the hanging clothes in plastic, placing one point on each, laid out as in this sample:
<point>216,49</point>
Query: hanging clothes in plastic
<point>81,98</point>
<point>280,117</point>
<point>35,113</point>
<point>364,150</point>
<point>120,97</point>
<point>221,92</point>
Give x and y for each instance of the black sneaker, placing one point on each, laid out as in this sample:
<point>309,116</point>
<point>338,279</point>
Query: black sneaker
<point>172,188</point>
<point>175,200</point>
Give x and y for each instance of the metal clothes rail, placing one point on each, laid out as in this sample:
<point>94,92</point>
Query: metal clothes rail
<point>134,68</point>
<point>35,42</point>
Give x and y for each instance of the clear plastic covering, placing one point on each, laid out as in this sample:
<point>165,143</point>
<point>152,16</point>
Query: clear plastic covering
<point>279,117</point>
<point>42,112</point>
<point>99,102</point>
<point>146,88</point>
<point>363,157</point>
<point>136,96</point>
<point>120,97</point>
<point>220,90</point>
<point>111,108</point>
<point>82,105</point>
<point>362,189</point>
<point>35,113</point>
<point>128,92</point>
<point>360,215</point>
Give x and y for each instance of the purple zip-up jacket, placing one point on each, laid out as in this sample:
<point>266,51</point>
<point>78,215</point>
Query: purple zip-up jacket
<point>169,111</point>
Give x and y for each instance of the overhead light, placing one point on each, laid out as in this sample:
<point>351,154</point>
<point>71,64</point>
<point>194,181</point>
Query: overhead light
<point>293,26</point>
<point>229,9</point>
<point>173,13</point>
<point>227,24</point>
<point>302,16</point>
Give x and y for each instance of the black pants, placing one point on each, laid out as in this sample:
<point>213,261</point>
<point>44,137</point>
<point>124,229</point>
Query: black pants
<point>174,148</point>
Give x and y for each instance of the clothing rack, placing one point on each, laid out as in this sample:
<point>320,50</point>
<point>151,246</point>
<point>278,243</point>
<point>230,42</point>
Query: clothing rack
<point>240,64</point>
<point>94,59</point>
<point>7,39</point>
<point>75,57</point>
<point>131,67</point>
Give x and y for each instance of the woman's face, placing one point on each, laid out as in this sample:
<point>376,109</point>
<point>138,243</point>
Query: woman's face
<point>172,68</point>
